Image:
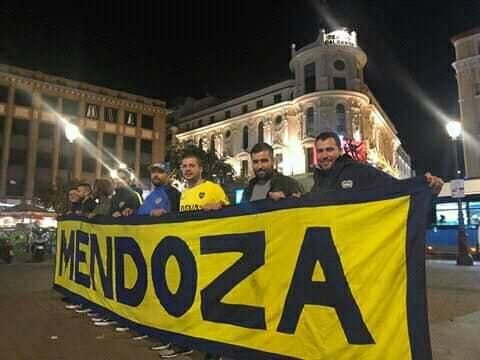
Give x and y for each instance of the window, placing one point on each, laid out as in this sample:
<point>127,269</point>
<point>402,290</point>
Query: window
<point>260,132</point>
<point>46,131</point>
<point>70,107</point>
<point>146,147</point>
<point>278,120</point>
<point>245,138</point>
<point>310,122</point>
<point>212,119</point>
<point>309,160</point>
<point>279,162</point>
<point>447,213</point>
<point>339,83</point>
<point>310,78</point>
<point>110,114</point>
<point>91,136</point>
<point>474,212</point>
<point>228,114</point>
<point>339,65</point>
<point>23,97</point>
<point>259,104</point>
<point>4,94</point>
<point>44,160</point>
<point>277,98</point>
<point>18,157</point>
<point>129,143</point>
<point>49,103</point>
<point>20,127</point>
<point>244,109</point>
<point>145,158</point>
<point>228,133</point>
<point>244,169</point>
<point>130,118</point>
<point>109,141</point>
<point>147,122</point>
<point>212,144</point>
<point>340,119</point>
<point>91,111</point>
<point>89,164</point>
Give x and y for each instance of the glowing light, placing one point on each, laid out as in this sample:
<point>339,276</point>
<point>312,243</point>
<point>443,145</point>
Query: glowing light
<point>454,129</point>
<point>72,132</point>
<point>122,166</point>
<point>113,174</point>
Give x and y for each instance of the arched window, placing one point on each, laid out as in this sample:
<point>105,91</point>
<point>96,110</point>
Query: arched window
<point>212,144</point>
<point>310,122</point>
<point>245,137</point>
<point>260,132</point>
<point>340,119</point>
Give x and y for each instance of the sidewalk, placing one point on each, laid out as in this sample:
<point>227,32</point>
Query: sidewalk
<point>454,310</point>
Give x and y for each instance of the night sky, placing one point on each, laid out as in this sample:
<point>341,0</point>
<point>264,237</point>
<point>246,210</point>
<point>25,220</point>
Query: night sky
<point>225,48</point>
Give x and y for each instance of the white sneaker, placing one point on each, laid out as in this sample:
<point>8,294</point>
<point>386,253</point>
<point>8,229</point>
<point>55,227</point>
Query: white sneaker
<point>83,311</point>
<point>122,329</point>
<point>73,306</point>
<point>159,347</point>
<point>175,351</point>
<point>97,319</point>
<point>140,337</point>
<point>105,323</point>
<point>93,315</point>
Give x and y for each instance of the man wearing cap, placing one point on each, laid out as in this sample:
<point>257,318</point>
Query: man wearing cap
<point>164,198</point>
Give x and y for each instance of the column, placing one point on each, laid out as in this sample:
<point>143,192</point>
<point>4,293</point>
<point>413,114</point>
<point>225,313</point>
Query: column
<point>57,137</point>
<point>6,141</point>
<point>120,133</point>
<point>159,137</point>
<point>99,144</point>
<point>138,147</point>
<point>35,115</point>
<point>77,162</point>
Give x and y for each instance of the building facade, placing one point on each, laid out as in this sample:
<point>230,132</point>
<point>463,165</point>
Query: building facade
<point>116,127</point>
<point>327,93</point>
<point>467,68</point>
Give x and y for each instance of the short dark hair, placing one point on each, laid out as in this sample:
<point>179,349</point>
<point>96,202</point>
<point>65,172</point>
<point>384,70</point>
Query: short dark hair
<point>329,135</point>
<point>104,186</point>
<point>261,147</point>
<point>87,185</point>
<point>193,152</point>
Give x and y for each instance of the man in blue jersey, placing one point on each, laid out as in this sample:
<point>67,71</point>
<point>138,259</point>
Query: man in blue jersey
<point>164,198</point>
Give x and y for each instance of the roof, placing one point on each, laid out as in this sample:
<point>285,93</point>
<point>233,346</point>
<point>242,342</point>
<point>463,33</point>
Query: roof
<point>465,34</point>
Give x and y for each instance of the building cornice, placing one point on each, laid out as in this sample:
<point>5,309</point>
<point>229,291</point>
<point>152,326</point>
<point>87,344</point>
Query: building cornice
<point>466,64</point>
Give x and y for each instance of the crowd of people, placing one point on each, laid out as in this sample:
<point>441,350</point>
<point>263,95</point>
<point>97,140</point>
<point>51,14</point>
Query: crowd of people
<point>334,171</point>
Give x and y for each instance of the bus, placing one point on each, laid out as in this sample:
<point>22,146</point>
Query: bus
<point>442,234</point>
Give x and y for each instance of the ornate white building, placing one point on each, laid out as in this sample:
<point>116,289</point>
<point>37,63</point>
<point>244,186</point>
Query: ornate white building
<point>467,67</point>
<point>327,93</point>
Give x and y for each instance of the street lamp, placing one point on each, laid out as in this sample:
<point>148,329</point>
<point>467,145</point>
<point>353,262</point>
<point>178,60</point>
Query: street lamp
<point>71,133</point>
<point>454,130</point>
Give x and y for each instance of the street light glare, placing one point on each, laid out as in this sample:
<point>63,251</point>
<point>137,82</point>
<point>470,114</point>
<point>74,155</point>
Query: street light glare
<point>71,132</point>
<point>454,129</point>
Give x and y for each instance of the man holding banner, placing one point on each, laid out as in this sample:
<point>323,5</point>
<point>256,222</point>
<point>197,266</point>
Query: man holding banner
<point>337,171</point>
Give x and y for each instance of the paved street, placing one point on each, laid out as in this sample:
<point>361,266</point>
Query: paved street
<point>36,326</point>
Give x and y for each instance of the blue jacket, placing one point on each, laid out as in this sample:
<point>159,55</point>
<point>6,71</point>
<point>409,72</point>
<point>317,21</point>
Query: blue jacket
<point>157,199</point>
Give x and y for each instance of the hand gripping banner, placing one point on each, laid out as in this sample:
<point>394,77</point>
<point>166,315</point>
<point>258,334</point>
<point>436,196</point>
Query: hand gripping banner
<point>328,276</point>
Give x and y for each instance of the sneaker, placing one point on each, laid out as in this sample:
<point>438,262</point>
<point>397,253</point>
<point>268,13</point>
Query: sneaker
<point>98,319</point>
<point>159,347</point>
<point>122,329</point>
<point>174,351</point>
<point>140,337</point>
<point>105,323</point>
<point>83,311</point>
<point>73,307</point>
<point>93,315</point>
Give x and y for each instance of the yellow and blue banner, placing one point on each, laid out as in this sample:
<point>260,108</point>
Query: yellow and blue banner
<point>336,275</point>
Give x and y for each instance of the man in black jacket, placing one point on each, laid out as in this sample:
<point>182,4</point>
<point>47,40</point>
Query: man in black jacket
<point>268,183</point>
<point>337,171</point>
<point>125,201</point>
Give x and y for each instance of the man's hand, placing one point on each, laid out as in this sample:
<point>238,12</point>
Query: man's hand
<point>276,195</point>
<point>434,182</point>
<point>127,212</point>
<point>117,214</point>
<point>158,212</point>
<point>212,206</point>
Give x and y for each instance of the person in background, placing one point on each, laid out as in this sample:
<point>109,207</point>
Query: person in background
<point>125,201</point>
<point>87,200</point>
<point>103,192</point>
<point>75,202</point>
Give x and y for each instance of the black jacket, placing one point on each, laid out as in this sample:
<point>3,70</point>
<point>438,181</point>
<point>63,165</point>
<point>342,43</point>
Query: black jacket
<point>278,182</point>
<point>125,198</point>
<point>347,173</point>
<point>174,197</point>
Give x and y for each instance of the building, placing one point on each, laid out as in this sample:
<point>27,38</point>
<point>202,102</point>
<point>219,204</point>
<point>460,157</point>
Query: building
<point>117,127</point>
<point>327,93</point>
<point>467,68</point>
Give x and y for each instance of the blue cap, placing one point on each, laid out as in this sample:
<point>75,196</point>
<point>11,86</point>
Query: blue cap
<point>161,166</point>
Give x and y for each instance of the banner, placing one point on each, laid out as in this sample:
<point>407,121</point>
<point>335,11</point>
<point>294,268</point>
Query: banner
<point>329,276</point>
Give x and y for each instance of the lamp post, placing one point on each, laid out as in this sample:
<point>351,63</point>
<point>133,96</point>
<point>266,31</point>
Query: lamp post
<point>71,133</point>
<point>454,130</point>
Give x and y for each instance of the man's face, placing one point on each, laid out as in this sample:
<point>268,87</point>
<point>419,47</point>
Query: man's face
<point>262,164</point>
<point>73,196</point>
<point>83,191</point>
<point>191,169</point>
<point>122,180</point>
<point>327,153</point>
<point>158,177</point>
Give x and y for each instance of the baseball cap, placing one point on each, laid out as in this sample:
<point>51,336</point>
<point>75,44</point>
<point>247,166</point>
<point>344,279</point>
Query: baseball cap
<point>161,166</point>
